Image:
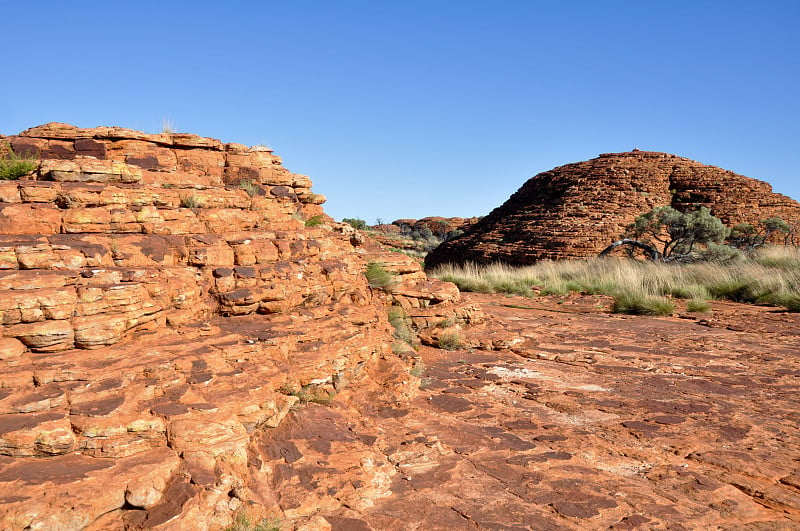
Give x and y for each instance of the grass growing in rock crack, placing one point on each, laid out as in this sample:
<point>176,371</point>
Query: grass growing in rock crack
<point>399,320</point>
<point>379,277</point>
<point>451,340</point>
<point>771,276</point>
<point>13,165</point>
<point>190,201</point>
<point>242,522</point>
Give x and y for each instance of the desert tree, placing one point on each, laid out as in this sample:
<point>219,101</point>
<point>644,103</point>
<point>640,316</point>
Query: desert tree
<point>670,235</point>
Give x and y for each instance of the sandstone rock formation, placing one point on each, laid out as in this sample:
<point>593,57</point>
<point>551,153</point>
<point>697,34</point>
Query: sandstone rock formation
<point>576,210</point>
<point>163,305</point>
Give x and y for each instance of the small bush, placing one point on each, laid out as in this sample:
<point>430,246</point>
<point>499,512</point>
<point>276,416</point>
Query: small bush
<point>637,304</point>
<point>356,223</point>
<point>315,221</point>
<point>697,305</point>
<point>451,340</point>
<point>241,522</point>
<point>251,187</point>
<point>13,166</point>
<point>739,290</point>
<point>399,320</point>
<point>190,201</point>
<point>379,277</point>
<point>418,369</point>
<point>790,301</point>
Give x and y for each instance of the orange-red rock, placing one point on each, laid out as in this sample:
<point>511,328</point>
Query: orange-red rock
<point>163,306</point>
<point>577,210</point>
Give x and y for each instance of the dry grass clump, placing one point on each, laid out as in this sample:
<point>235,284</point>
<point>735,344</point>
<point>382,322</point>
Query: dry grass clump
<point>771,276</point>
<point>378,277</point>
<point>451,340</point>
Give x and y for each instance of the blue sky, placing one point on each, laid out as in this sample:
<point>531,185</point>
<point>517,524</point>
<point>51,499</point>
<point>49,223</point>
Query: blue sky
<point>413,108</point>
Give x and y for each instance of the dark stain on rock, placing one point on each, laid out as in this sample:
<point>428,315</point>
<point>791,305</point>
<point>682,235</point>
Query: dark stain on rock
<point>97,408</point>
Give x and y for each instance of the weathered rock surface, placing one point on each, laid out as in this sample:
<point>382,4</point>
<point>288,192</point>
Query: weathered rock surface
<point>577,210</point>
<point>163,305</point>
<point>589,421</point>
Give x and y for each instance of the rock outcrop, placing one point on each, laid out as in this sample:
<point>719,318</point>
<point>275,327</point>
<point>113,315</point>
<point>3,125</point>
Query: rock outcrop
<point>166,300</point>
<point>576,210</point>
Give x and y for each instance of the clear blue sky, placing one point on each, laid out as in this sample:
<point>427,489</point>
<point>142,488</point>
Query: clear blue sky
<point>418,108</point>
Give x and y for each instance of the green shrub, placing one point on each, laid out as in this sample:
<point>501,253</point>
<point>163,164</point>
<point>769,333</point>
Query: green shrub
<point>451,340</point>
<point>399,320</point>
<point>13,165</point>
<point>356,223</point>
<point>379,277</point>
<point>190,201</point>
<point>740,290</point>
<point>315,221</point>
<point>418,369</point>
<point>790,301</point>
<point>637,304</point>
<point>251,187</point>
<point>241,522</point>
<point>697,305</point>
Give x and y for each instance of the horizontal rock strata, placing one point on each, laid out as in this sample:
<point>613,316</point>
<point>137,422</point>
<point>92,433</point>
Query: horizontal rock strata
<point>165,299</point>
<point>576,210</point>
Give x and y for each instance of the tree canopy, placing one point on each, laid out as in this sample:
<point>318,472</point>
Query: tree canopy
<point>668,234</point>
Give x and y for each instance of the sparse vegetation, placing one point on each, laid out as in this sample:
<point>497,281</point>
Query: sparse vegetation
<point>379,277</point>
<point>251,187</point>
<point>697,305</point>
<point>190,201</point>
<point>14,165</point>
<point>356,223</point>
<point>310,393</point>
<point>771,276</point>
<point>635,303</point>
<point>451,340</point>
<point>399,320</point>
<point>242,522</point>
<point>314,221</point>
<point>167,126</point>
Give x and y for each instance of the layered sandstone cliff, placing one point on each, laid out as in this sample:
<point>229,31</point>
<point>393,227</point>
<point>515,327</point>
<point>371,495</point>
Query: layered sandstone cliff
<point>164,302</point>
<point>576,210</point>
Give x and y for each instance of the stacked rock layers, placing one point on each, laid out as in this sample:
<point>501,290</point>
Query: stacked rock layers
<point>163,300</point>
<point>576,210</point>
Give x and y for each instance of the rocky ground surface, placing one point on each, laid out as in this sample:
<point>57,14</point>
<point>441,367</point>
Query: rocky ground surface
<point>589,420</point>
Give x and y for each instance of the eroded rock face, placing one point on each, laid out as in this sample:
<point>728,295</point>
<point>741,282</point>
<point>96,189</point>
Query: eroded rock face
<point>584,420</point>
<point>576,210</point>
<point>163,304</point>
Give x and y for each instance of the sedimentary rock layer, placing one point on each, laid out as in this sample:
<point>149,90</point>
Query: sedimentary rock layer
<point>164,300</point>
<point>576,210</point>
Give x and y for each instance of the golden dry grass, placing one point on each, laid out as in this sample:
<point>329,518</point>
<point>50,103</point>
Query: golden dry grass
<point>771,276</point>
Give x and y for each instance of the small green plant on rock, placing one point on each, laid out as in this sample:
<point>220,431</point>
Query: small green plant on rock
<point>399,320</point>
<point>314,221</point>
<point>356,223</point>
<point>638,304</point>
<point>697,305</point>
<point>242,522</point>
<point>378,277</point>
<point>13,165</point>
<point>190,201</point>
<point>451,340</point>
<point>251,187</point>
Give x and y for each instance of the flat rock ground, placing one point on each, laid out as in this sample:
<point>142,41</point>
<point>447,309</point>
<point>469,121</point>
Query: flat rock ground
<point>590,421</point>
